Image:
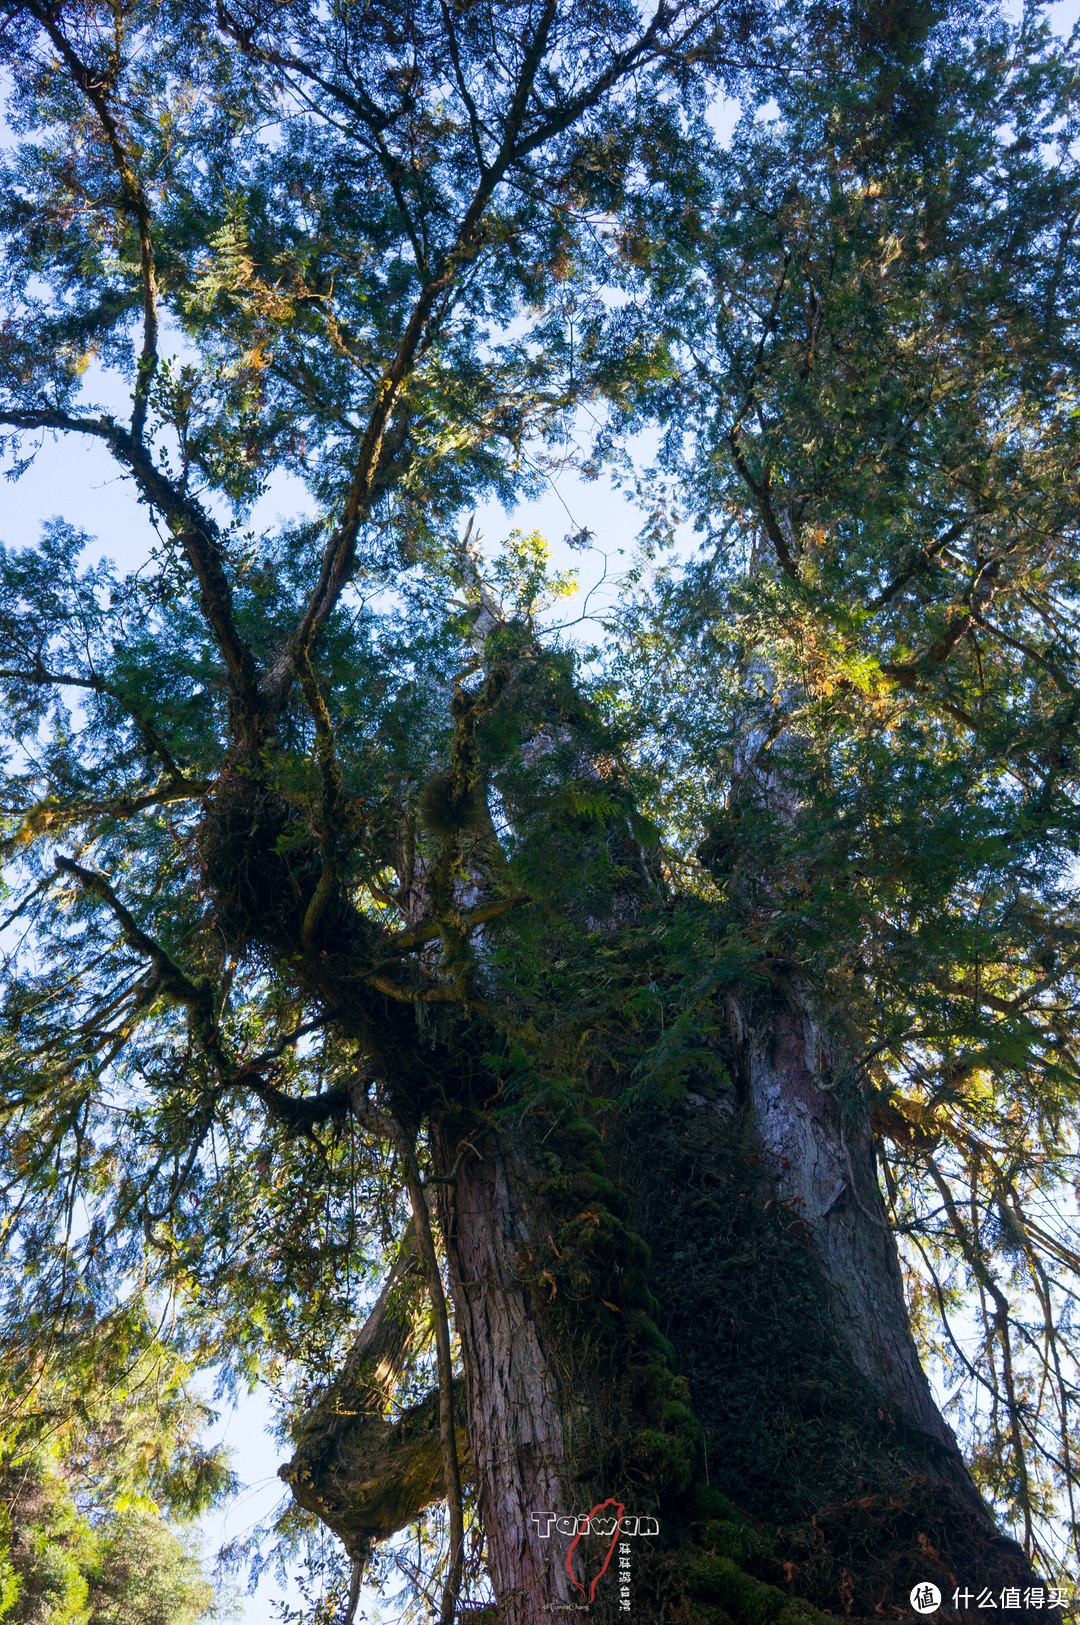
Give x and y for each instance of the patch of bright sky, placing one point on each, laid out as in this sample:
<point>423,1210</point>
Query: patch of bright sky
<point>246,1431</point>
<point>1063,16</point>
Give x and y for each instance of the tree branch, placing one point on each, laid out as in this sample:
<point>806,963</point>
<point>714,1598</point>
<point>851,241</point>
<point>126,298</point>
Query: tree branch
<point>172,980</point>
<point>93,88</point>
<point>299,1112</point>
<point>363,1476</point>
<point>50,816</point>
<point>196,532</point>
<point>979,593</point>
<point>330,778</point>
<point>1000,1319</point>
<point>40,676</point>
<point>339,557</point>
<point>920,562</point>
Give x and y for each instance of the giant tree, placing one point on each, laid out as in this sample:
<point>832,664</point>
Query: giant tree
<point>864,692</point>
<point>366,940</point>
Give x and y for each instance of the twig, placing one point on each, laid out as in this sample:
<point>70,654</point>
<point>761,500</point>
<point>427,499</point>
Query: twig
<point>452,1177</point>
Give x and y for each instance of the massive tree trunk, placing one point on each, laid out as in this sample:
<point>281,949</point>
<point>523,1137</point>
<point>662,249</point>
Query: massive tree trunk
<point>772,1301</point>
<point>781,1290</point>
<point>697,1315</point>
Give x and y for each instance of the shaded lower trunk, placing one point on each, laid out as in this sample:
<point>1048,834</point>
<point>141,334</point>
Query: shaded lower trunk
<point>781,1290</point>
<point>762,1351</point>
<point>518,1409</point>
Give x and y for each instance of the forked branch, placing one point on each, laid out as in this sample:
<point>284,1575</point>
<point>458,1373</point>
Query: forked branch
<point>366,1477</point>
<point>94,87</point>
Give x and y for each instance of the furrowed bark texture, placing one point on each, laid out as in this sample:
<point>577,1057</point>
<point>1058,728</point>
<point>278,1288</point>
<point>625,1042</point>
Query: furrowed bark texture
<point>515,1400</point>
<point>817,1140</point>
<point>538,1419</point>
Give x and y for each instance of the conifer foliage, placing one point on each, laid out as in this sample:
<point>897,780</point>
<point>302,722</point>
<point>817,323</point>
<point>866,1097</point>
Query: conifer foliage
<point>389,992</point>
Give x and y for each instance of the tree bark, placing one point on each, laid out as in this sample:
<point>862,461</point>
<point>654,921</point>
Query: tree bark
<point>516,1403</point>
<point>814,1129</point>
<point>780,1288</point>
<point>777,1283</point>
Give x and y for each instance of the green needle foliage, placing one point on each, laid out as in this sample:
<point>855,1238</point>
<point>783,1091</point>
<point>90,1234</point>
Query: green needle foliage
<point>860,700</point>
<point>318,847</point>
<point>101,1474</point>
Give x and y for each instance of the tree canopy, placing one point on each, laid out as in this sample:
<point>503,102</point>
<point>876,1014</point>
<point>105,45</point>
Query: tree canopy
<point>874,420</point>
<point>100,1438</point>
<point>317,842</point>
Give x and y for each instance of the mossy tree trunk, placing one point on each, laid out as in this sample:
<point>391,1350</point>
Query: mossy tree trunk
<point>670,1303</point>
<point>698,1314</point>
<point>780,1288</point>
<point>691,1300</point>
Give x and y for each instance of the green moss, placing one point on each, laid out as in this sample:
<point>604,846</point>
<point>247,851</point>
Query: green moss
<point>727,1538</point>
<point>661,1458</point>
<point>715,1578</point>
<point>592,1282</point>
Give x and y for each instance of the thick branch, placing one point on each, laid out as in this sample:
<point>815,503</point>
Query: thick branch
<point>907,673</point>
<point>200,538</point>
<point>92,86</point>
<point>172,980</point>
<point>363,1476</point>
<point>52,815</point>
<point>330,793</point>
<point>302,1112</point>
<point>762,488</point>
<point>470,918</point>
<point>763,496</point>
<point>920,563</point>
<point>196,532</point>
